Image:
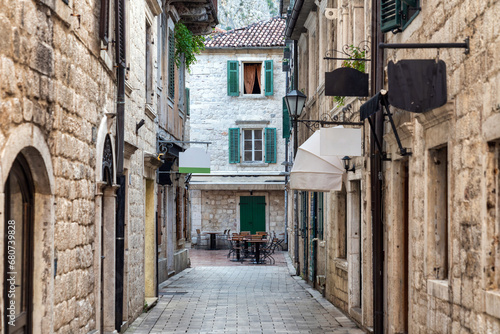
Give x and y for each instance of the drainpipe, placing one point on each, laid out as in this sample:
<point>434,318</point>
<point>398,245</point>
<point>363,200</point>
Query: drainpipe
<point>120,177</point>
<point>295,147</point>
<point>377,72</point>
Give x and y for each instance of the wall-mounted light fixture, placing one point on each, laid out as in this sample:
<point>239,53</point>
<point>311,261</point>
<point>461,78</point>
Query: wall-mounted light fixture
<point>346,161</point>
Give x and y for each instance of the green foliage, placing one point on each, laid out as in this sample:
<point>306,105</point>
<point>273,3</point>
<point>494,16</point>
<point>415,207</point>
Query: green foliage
<point>356,64</point>
<point>188,44</point>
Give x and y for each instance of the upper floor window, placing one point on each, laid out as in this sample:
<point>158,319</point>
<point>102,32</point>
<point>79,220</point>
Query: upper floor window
<point>396,15</point>
<point>257,77</point>
<point>257,145</point>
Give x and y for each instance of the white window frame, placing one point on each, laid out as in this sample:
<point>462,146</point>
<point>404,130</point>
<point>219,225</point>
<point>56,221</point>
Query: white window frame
<point>262,78</point>
<point>253,150</point>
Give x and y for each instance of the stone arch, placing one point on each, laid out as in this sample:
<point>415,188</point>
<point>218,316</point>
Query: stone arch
<point>28,140</point>
<point>105,227</point>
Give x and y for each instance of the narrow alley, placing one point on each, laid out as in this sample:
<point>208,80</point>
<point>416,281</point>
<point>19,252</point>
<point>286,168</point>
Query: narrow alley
<point>240,298</point>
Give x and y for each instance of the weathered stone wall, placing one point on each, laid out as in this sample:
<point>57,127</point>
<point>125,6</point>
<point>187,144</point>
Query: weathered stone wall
<point>213,112</point>
<point>52,78</point>
<point>218,210</point>
<point>464,301</point>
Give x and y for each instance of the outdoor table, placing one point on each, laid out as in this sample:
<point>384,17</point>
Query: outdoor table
<point>257,243</point>
<point>213,241</point>
<point>238,240</point>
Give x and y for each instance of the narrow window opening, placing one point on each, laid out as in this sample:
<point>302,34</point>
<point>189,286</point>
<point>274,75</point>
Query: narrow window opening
<point>252,78</point>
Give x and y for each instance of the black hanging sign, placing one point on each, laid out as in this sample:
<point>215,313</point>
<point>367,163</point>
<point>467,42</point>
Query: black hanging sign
<point>417,85</point>
<point>346,81</point>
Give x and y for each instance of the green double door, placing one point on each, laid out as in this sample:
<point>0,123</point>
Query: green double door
<point>252,213</point>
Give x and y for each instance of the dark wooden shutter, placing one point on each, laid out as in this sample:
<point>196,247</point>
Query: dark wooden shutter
<point>104,22</point>
<point>395,15</point>
<point>268,67</point>
<point>233,78</point>
<point>286,121</point>
<point>270,136</point>
<point>171,64</point>
<point>320,216</point>
<point>120,33</point>
<point>234,145</point>
<point>188,102</point>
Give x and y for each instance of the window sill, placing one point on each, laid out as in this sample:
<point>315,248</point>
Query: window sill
<point>253,164</point>
<point>128,88</point>
<point>253,96</point>
<point>148,110</point>
<point>492,303</point>
<point>438,289</point>
<point>341,264</point>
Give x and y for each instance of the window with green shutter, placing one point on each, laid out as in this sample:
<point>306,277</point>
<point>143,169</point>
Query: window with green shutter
<point>396,15</point>
<point>270,136</point>
<point>171,64</point>
<point>233,78</point>
<point>286,121</point>
<point>321,218</point>
<point>234,145</point>
<point>268,67</point>
<point>188,102</point>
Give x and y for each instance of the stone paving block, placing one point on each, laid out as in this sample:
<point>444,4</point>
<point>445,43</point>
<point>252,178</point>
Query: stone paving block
<point>241,299</point>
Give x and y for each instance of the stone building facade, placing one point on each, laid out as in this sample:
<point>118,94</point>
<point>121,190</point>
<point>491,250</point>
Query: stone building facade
<point>226,113</point>
<point>438,245</point>
<point>77,264</point>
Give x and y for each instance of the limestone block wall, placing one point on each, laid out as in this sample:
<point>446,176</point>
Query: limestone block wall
<point>218,210</point>
<point>53,82</point>
<point>213,112</point>
<point>464,301</point>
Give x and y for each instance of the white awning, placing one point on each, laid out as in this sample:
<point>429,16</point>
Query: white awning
<point>315,172</point>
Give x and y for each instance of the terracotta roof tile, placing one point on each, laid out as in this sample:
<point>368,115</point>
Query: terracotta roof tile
<point>268,33</point>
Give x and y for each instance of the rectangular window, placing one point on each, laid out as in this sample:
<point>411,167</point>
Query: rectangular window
<point>438,205</point>
<point>396,15</point>
<point>342,223</point>
<point>493,218</point>
<point>149,66</point>
<point>252,145</point>
<point>252,78</point>
<point>270,136</point>
<point>171,64</point>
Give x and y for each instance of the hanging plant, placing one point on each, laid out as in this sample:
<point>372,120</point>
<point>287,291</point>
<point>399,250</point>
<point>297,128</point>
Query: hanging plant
<point>188,44</point>
<point>356,53</point>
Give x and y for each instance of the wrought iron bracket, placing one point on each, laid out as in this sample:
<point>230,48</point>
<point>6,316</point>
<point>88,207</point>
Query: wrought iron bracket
<point>465,45</point>
<point>162,146</point>
<point>403,151</point>
<point>363,46</point>
<point>342,118</point>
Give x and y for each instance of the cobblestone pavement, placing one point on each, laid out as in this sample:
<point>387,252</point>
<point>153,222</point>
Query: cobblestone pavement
<point>241,299</point>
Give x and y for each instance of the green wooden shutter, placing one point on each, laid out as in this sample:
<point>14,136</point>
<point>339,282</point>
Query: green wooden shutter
<point>320,216</point>
<point>233,78</point>
<point>234,145</point>
<point>286,121</point>
<point>397,14</point>
<point>270,136</point>
<point>171,64</point>
<point>268,66</point>
<point>188,102</point>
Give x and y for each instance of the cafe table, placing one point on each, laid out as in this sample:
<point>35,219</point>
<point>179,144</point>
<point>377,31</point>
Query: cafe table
<point>257,243</point>
<point>237,247</point>
<point>213,240</point>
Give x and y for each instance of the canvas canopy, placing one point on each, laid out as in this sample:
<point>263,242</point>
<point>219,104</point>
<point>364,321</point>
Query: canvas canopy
<point>314,172</point>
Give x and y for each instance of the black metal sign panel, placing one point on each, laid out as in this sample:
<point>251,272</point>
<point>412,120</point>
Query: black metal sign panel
<point>417,85</point>
<point>346,81</point>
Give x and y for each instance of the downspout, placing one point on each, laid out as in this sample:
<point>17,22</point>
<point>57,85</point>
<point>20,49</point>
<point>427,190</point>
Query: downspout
<point>120,178</point>
<point>377,72</point>
<point>295,83</point>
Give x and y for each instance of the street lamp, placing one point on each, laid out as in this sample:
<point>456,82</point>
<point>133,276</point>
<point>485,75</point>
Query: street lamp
<point>346,160</point>
<point>295,101</point>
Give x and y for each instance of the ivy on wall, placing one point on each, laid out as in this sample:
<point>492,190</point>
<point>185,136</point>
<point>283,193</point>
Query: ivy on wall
<point>188,44</point>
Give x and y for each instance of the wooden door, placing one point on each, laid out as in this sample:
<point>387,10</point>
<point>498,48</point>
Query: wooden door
<point>252,213</point>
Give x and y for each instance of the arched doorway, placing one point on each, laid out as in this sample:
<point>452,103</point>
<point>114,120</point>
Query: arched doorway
<point>18,251</point>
